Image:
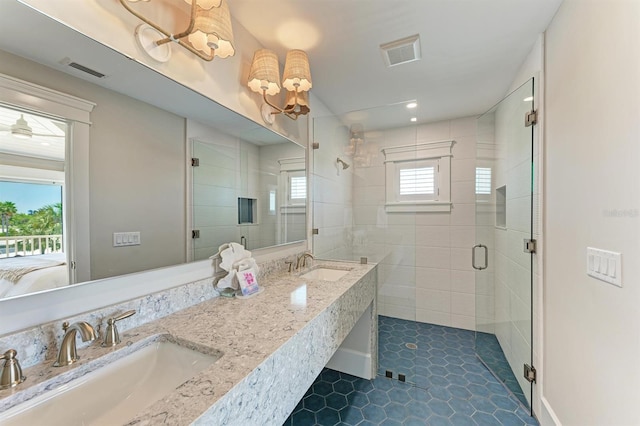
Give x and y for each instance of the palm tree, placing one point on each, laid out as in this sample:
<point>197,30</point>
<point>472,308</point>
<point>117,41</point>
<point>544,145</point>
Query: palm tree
<point>7,209</point>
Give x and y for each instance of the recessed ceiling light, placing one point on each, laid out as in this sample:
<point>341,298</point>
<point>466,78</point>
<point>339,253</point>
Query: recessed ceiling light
<point>414,119</point>
<point>412,105</point>
<point>45,143</point>
<point>529,99</point>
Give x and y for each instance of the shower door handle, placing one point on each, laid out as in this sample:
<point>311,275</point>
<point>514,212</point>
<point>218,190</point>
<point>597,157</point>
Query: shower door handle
<point>473,257</point>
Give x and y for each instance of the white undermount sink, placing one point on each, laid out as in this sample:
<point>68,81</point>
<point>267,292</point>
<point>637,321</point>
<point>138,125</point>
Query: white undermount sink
<point>115,393</point>
<point>325,274</point>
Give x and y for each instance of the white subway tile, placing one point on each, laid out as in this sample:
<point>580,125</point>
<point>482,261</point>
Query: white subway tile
<point>437,131</point>
<point>463,304</point>
<point>433,300</point>
<point>461,259</point>
<point>433,279</point>
<point>463,192</point>
<point>463,281</point>
<point>463,236</point>
<point>463,322</point>
<point>463,214</point>
<point>400,312</point>
<point>432,218</point>
<point>433,257</point>
<point>466,126</point>
<point>464,148</point>
<point>433,317</point>
<point>463,169</point>
<point>432,236</point>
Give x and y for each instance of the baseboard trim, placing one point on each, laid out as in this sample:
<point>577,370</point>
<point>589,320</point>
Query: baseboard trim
<point>548,416</point>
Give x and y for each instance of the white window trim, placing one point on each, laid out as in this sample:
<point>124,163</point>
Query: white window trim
<point>439,152</point>
<point>76,111</point>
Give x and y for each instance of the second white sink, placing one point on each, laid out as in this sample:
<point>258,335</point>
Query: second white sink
<point>325,274</point>
<point>115,393</point>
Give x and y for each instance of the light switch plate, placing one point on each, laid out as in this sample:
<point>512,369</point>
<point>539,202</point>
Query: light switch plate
<point>605,265</point>
<point>121,239</point>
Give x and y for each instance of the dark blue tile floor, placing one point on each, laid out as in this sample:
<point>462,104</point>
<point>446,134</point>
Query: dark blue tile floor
<point>490,352</point>
<point>450,386</point>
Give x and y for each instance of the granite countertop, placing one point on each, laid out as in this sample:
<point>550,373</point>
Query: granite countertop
<point>247,332</point>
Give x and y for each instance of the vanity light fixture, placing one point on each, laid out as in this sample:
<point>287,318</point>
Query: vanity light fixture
<point>264,77</point>
<point>207,35</point>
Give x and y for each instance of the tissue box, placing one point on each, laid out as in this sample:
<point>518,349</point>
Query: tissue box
<point>248,280</point>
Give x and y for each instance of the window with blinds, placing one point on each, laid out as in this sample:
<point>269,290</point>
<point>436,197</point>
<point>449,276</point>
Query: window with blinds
<point>298,188</point>
<point>417,181</point>
<point>483,180</point>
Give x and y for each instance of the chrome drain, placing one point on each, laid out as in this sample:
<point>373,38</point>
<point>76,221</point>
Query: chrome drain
<point>411,346</point>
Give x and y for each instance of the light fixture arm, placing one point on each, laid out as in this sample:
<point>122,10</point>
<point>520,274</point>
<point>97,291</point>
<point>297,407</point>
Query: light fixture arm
<point>173,37</point>
<point>290,112</point>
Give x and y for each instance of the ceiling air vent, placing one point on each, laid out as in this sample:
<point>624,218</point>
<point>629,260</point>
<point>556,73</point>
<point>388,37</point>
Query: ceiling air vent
<point>401,51</point>
<point>80,67</point>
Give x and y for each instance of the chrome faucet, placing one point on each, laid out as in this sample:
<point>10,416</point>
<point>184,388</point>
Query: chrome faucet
<point>68,354</point>
<point>303,260</point>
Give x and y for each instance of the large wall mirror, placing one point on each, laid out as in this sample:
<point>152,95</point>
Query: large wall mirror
<point>250,184</point>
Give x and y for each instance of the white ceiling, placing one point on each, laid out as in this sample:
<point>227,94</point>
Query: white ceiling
<point>471,49</point>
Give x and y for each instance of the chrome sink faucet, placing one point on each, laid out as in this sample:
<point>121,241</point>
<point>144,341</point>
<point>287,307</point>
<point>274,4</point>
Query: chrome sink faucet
<point>68,353</point>
<point>302,260</point>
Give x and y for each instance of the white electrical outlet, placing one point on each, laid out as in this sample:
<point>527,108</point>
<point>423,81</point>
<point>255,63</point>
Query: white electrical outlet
<point>121,239</point>
<point>605,265</point>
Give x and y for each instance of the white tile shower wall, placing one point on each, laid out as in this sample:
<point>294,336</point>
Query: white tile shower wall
<point>425,269</point>
<point>332,191</point>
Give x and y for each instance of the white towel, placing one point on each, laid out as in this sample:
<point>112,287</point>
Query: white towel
<point>234,258</point>
<point>233,253</point>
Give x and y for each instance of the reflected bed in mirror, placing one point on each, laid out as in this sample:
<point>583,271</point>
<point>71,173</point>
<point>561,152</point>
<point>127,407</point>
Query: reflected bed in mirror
<point>136,161</point>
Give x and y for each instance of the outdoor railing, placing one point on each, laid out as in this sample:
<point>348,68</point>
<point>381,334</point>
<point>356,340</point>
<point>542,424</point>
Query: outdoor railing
<point>30,245</point>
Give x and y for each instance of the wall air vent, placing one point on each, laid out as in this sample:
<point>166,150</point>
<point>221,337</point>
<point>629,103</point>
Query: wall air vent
<point>401,51</point>
<point>80,67</point>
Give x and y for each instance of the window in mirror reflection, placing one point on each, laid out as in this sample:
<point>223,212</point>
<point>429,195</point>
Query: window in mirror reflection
<point>298,187</point>
<point>272,202</point>
<point>32,179</point>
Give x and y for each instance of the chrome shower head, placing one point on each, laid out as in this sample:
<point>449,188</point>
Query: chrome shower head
<point>344,165</point>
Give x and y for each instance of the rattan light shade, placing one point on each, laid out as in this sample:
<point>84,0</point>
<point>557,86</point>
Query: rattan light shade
<point>206,4</point>
<point>212,29</point>
<point>303,102</point>
<point>297,75</point>
<point>265,72</point>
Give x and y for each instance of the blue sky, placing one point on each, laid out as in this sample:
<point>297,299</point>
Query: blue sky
<point>27,196</point>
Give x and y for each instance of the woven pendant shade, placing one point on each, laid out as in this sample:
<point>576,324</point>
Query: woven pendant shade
<point>265,72</point>
<point>297,75</point>
<point>206,4</point>
<point>212,30</point>
<point>303,102</point>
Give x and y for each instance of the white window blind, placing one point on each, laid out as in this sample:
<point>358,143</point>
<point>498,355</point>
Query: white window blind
<point>298,188</point>
<point>417,181</point>
<point>483,180</point>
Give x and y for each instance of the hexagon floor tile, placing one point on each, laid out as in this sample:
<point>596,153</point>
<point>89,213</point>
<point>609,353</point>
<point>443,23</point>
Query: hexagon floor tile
<point>451,386</point>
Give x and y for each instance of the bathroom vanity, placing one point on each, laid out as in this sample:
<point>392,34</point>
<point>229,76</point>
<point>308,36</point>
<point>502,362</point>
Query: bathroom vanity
<point>267,349</point>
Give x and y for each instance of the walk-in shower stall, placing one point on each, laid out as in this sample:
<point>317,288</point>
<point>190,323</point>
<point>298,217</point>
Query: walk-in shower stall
<point>446,210</point>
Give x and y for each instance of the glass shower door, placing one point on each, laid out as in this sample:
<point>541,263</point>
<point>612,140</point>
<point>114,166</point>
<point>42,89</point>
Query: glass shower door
<point>504,222</point>
<point>350,222</point>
